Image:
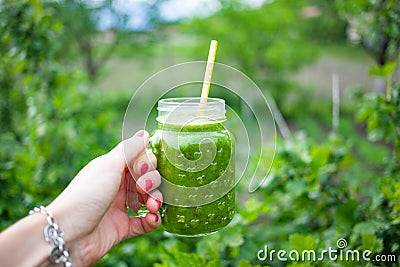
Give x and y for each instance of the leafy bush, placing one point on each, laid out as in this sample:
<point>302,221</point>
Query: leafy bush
<point>51,125</point>
<point>383,119</point>
<point>311,202</point>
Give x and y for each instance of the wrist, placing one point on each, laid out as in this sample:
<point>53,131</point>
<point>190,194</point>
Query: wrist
<point>63,217</point>
<point>54,235</point>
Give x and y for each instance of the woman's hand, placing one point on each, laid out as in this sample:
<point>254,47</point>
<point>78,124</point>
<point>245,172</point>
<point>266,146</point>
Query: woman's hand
<point>92,210</point>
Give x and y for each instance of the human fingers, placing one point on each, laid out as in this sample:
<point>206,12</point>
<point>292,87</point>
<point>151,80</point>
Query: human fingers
<point>145,162</point>
<point>132,196</point>
<point>140,225</point>
<point>154,201</point>
<point>148,182</point>
<point>127,151</point>
<point>102,174</point>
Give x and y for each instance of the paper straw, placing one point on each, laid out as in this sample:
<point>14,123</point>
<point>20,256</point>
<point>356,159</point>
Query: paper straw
<point>209,70</point>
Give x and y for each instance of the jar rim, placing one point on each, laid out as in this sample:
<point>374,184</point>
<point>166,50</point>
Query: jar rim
<point>167,104</point>
<point>182,110</point>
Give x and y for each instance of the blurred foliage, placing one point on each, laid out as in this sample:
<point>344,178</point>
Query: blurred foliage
<point>268,42</point>
<point>382,116</point>
<point>82,40</point>
<point>52,124</point>
<point>383,123</point>
<point>312,200</point>
<point>377,26</point>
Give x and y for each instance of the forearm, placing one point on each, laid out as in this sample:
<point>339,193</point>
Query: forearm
<point>23,244</point>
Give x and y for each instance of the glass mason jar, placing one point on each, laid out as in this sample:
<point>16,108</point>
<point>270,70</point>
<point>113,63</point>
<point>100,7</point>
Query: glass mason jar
<point>195,156</point>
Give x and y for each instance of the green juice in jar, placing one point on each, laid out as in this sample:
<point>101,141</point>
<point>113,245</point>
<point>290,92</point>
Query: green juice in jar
<point>195,156</point>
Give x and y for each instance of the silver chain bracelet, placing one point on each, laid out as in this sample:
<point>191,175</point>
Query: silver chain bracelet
<point>54,235</point>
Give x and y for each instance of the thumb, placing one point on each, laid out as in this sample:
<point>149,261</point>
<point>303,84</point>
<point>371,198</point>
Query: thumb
<point>128,150</point>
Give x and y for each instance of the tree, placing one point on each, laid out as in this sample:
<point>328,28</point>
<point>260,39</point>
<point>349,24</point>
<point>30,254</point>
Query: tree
<point>82,39</point>
<point>50,127</point>
<point>85,41</point>
<point>269,42</point>
<point>377,30</point>
<point>377,24</point>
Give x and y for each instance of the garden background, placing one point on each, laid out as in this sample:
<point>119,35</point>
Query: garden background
<point>67,74</point>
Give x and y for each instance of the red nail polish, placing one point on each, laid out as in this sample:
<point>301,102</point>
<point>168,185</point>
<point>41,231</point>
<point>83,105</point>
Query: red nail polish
<point>157,217</point>
<point>144,168</point>
<point>158,202</point>
<point>149,184</point>
<point>140,133</point>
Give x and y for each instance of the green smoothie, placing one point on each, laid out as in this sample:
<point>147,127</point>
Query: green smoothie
<point>209,148</point>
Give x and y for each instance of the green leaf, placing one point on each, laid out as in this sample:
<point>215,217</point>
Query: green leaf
<point>253,209</point>
<point>210,246</point>
<point>301,242</point>
<point>371,242</point>
<point>346,214</point>
<point>232,237</point>
<point>320,156</point>
<point>363,228</point>
<point>296,188</point>
<point>383,71</point>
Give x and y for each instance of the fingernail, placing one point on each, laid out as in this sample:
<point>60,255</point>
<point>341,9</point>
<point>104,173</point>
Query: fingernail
<point>140,133</point>
<point>149,184</point>
<point>158,202</point>
<point>157,217</point>
<point>144,168</point>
